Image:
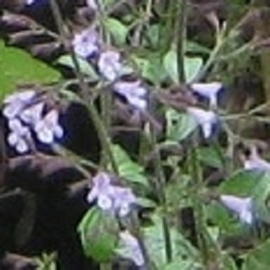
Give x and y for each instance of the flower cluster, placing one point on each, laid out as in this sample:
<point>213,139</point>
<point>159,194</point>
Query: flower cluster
<point>88,45</point>
<point>25,114</point>
<point>114,199</point>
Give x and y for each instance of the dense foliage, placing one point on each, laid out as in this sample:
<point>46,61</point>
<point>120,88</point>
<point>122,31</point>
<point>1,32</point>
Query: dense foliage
<point>134,134</point>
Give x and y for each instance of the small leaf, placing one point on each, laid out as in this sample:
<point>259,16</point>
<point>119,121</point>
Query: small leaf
<point>85,66</point>
<point>117,29</point>
<point>179,125</point>
<point>99,234</point>
<point>128,169</point>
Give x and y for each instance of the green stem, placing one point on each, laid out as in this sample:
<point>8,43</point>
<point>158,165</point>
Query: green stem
<point>180,33</point>
<point>162,199</point>
<point>103,136</point>
<point>196,175</point>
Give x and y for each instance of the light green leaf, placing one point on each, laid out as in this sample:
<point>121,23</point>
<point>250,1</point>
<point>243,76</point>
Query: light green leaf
<point>117,29</point>
<point>192,66</point>
<point>128,169</point>
<point>85,67</point>
<point>261,198</point>
<point>99,234</point>
<point>19,67</point>
<point>258,259</point>
<point>179,125</point>
<point>211,157</point>
<point>155,244</point>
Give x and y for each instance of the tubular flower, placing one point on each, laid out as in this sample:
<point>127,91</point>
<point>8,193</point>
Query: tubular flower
<point>205,119</point>
<point>109,65</point>
<point>86,43</point>
<point>15,103</point>
<point>19,134</point>
<point>134,93</point>
<point>208,90</point>
<point>131,248</point>
<point>242,207</point>
<point>255,162</point>
<point>115,199</point>
<point>48,128</point>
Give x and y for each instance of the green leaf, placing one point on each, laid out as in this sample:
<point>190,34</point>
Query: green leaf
<point>179,125</point>
<point>117,29</point>
<point>150,67</point>
<point>241,183</point>
<point>211,157</point>
<point>19,67</point>
<point>99,234</point>
<point>155,244</point>
<point>85,67</point>
<point>261,198</point>
<point>258,259</point>
<point>192,66</point>
<point>128,169</point>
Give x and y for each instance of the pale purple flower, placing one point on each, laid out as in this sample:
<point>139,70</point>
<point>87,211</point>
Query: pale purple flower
<point>48,128</point>
<point>242,207</point>
<point>134,93</point>
<point>109,65</point>
<point>130,248</point>
<point>205,119</point>
<point>255,162</point>
<point>208,90</point>
<point>86,43</point>
<point>15,103</point>
<point>115,199</point>
<point>32,114</point>
<point>93,4</point>
<point>18,136</point>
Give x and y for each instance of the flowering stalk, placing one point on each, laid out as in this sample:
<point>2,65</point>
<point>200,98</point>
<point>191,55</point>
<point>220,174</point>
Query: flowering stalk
<point>103,136</point>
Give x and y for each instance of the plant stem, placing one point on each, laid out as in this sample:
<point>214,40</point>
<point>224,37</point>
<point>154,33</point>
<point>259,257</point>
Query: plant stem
<point>103,136</point>
<point>162,199</point>
<point>195,173</point>
<point>180,33</point>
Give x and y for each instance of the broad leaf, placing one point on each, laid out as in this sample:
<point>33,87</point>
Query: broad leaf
<point>117,29</point>
<point>128,169</point>
<point>99,234</point>
<point>85,67</point>
<point>179,125</point>
<point>192,66</point>
<point>258,259</point>
<point>183,251</point>
<point>18,67</point>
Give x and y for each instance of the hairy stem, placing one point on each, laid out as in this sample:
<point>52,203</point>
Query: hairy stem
<point>103,136</point>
